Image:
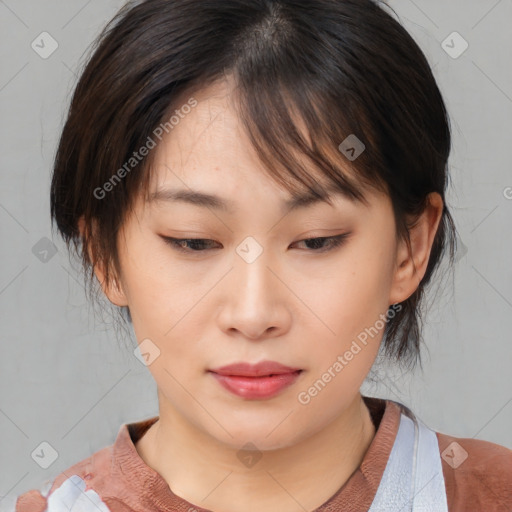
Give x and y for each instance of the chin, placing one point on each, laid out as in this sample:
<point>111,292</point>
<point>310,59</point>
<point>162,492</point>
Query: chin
<point>272,434</point>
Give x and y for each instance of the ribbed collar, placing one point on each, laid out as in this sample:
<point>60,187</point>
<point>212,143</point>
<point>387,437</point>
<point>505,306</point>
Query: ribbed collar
<point>144,489</point>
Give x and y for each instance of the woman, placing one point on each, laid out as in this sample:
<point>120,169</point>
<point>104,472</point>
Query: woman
<point>260,186</point>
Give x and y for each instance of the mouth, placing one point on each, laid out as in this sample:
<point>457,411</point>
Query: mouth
<point>262,369</point>
<point>256,381</point>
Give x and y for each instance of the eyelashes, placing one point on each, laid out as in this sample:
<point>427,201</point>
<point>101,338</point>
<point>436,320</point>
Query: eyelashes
<point>334,242</point>
<point>177,243</point>
<point>194,246</point>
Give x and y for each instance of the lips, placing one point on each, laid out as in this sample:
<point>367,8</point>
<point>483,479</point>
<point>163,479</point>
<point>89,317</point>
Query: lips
<point>256,381</point>
<point>264,368</point>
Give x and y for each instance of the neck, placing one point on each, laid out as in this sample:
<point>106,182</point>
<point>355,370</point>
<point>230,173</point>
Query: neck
<point>295,478</point>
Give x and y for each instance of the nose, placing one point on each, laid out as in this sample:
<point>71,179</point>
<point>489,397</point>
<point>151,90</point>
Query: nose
<point>254,297</point>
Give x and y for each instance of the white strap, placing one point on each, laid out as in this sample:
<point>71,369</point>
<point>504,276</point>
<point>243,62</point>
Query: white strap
<point>71,496</point>
<point>413,479</point>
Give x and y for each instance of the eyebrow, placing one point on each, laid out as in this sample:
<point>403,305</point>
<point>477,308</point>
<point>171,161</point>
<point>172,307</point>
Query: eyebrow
<point>203,199</point>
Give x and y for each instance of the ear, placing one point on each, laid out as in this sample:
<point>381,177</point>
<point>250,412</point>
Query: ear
<point>114,290</point>
<point>411,265</point>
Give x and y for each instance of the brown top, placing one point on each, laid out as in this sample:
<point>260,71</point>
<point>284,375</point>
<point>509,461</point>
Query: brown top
<point>477,474</point>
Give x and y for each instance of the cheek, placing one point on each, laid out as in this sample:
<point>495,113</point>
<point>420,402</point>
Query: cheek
<point>164,310</point>
<point>151,293</point>
<point>351,303</point>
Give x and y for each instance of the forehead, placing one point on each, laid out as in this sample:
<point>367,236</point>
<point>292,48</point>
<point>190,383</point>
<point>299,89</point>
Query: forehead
<point>208,148</point>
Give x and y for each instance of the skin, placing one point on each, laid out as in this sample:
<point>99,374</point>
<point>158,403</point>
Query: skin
<point>292,305</point>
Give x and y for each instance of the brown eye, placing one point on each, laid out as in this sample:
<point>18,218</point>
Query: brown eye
<point>187,245</point>
<point>318,244</point>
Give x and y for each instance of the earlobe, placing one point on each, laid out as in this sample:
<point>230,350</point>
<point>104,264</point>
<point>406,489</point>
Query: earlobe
<point>412,261</point>
<point>112,290</point>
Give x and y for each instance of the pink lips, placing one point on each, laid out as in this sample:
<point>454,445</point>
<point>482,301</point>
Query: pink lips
<point>256,381</point>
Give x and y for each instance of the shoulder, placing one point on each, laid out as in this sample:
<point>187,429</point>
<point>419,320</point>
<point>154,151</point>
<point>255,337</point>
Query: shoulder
<point>110,480</point>
<point>477,474</point>
<point>77,489</point>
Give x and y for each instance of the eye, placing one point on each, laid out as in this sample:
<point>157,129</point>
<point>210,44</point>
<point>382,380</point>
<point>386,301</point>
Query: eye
<point>180,244</point>
<point>198,245</point>
<point>318,243</point>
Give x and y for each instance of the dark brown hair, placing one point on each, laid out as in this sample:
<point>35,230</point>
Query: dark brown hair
<point>343,66</point>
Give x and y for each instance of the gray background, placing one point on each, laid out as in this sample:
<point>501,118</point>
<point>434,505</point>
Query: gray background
<point>65,379</point>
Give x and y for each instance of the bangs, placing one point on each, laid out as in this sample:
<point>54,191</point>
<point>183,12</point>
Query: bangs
<point>298,144</point>
<point>296,133</point>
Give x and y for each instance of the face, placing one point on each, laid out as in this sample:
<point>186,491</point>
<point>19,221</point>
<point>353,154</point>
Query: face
<point>254,288</point>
